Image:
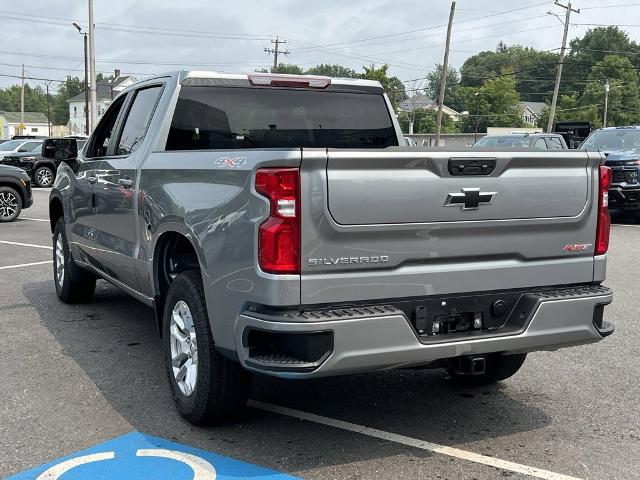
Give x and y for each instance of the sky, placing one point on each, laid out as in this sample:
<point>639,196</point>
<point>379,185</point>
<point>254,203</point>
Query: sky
<point>145,37</point>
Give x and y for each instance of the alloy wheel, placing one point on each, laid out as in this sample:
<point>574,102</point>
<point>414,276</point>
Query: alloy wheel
<point>8,204</point>
<point>59,261</point>
<point>184,348</point>
<point>45,177</point>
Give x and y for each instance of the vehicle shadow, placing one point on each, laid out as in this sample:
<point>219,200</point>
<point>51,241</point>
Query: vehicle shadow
<point>114,341</point>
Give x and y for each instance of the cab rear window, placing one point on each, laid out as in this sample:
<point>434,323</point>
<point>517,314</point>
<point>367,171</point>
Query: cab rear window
<point>228,118</point>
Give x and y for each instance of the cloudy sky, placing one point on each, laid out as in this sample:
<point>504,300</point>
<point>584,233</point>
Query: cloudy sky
<point>151,36</point>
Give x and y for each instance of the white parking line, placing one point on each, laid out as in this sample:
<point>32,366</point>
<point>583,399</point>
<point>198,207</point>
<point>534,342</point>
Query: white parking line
<point>26,245</point>
<point>35,219</point>
<point>26,265</point>
<point>625,225</point>
<point>413,442</point>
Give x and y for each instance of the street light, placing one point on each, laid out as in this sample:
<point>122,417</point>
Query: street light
<point>86,75</point>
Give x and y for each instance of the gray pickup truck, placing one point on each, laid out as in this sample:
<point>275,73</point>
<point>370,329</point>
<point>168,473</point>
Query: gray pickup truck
<point>277,226</point>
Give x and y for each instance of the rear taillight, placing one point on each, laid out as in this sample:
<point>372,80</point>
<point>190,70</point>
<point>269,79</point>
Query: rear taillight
<point>604,219</point>
<point>279,235</point>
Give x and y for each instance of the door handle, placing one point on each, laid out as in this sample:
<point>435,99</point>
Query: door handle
<point>125,182</point>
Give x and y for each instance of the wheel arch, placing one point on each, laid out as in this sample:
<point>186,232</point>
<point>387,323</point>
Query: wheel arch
<point>56,212</point>
<point>174,252</point>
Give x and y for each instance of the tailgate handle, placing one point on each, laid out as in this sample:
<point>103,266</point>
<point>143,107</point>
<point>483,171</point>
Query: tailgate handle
<point>471,166</point>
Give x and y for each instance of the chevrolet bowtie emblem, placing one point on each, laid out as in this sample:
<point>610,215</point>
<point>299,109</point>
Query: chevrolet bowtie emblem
<point>469,199</point>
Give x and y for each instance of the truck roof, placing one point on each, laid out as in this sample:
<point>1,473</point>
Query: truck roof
<point>203,77</point>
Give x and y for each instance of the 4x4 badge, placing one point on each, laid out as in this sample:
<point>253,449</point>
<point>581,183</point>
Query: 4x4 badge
<point>469,199</point>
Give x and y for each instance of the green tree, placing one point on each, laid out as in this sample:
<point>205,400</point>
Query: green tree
<point>424,121</point>
<point>287,68</point>
<point>60,107</point>
<point>624,103</point>
<point>496,105</point>
<point>534,70</point>
<point>333,70</point>
<point>393,86</point>
<point>570,109</point>
<point>432,88</point>
<point>592,48</point>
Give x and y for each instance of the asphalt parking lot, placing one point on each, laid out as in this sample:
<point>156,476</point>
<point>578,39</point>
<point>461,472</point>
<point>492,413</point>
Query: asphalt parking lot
<point>75,376</point>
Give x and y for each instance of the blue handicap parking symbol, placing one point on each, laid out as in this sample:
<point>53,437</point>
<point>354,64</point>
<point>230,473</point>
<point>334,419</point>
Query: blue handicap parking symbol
<point>143,457</point>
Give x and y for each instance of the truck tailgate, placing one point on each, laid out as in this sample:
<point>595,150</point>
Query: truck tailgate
<point>411,222</point>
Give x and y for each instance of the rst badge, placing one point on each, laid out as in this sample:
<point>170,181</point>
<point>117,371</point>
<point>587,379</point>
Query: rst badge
<point>230,162</point>
<point>576,247</point>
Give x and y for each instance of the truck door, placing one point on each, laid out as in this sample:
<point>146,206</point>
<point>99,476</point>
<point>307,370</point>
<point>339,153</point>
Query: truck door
<point>116,192</point>
<point>82,231</point>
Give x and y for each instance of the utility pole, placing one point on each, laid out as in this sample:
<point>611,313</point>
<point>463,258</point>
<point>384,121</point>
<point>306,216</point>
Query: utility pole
<point>48,110</point>
<point>22,104</point>
<point>556,89</point>
<point>606,101</point>
<point>443,77</point>
<point>92,69</point>
<point>477,95</point>
<point>276,50</point>
<point>86,79</point>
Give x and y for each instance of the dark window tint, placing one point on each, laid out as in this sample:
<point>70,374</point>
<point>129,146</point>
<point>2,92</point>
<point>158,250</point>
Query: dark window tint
<point>554,143</point>
<point>102,135</point>
<point>228,118</point>
<point>135,126</point>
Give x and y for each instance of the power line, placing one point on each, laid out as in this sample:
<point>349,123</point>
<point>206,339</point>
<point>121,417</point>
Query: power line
<point>114,26</point>
<point>434,26</point>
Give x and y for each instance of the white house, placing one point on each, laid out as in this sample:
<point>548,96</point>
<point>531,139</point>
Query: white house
<point>422,101</point>
<point>532,111</point>
<point>35,123</point>
<point>105,94</point>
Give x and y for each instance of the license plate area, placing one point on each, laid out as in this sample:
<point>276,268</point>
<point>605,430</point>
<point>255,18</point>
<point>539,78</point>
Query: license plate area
<point>463,317</point>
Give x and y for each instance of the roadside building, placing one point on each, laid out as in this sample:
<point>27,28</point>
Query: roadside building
<point>105,93</point>
<point>532,111</point>
<point>35,123</point>
<point>423,102</point>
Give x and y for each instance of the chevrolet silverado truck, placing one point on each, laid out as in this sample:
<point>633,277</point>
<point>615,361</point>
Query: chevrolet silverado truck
<point>277,224</point>
<point>621,147</point>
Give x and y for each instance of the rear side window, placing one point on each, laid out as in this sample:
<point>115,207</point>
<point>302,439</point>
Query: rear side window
<point>554,143</point>
<point>135,126</point>
<point>230,118</point>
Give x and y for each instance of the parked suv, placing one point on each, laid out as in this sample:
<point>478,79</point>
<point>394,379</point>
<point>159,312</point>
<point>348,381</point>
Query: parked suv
<point>277,226</point>
<point>15,192</point>
<point>18,146</point>
<point>621,146</point>
<point>41,169</point>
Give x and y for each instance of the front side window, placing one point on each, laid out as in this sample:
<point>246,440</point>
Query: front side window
<point>102,135</point>
<point>230,118</point>
<point>138,118</point>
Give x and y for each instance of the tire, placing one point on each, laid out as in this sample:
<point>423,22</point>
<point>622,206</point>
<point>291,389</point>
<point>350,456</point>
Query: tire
<point>10,204</point>
<point>73,285</point>
<point>497,368</point>
<point>44,177</point>
<point>217,390</point>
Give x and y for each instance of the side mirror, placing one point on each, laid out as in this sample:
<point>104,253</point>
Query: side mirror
<point>63,149</point>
